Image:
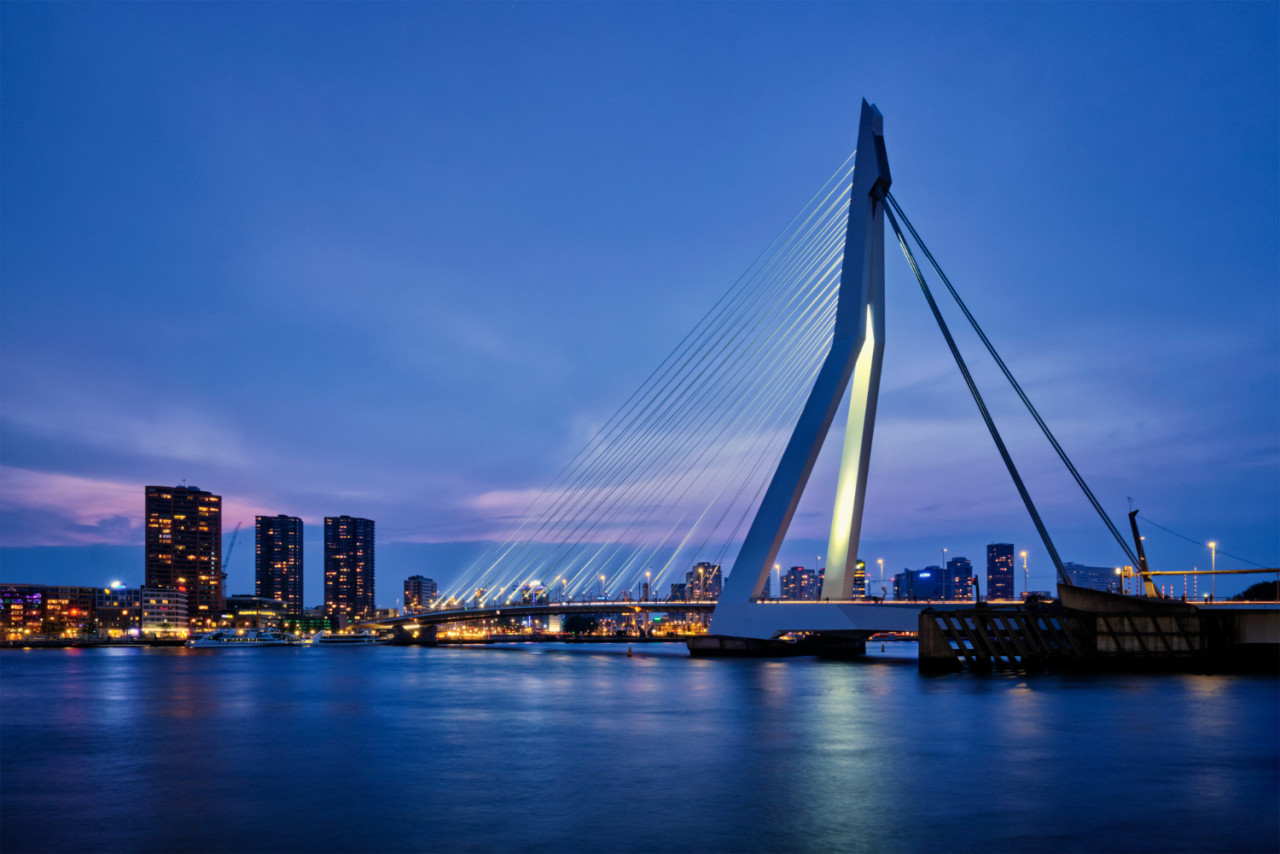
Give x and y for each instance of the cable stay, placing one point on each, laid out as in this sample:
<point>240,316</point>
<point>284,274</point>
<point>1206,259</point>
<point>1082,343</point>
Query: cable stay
<point>674,474</point>
<point>1017,387</point>
<point>982,406</point>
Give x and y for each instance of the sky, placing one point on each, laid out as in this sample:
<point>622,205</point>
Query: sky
<point>395,260</point>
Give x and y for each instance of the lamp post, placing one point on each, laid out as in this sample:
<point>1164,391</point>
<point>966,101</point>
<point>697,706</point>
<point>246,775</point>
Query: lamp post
<point>1213,566</point>
<point>777,571</point>
<point>1025,583</point>
<point>945,592</point>
<point>603,595</point>
<point>647,591</point>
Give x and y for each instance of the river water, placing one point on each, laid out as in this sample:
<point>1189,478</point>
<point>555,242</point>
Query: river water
<point>584,749</point>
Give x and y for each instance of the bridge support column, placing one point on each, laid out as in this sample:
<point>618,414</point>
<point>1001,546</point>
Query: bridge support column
<point>857,344</point>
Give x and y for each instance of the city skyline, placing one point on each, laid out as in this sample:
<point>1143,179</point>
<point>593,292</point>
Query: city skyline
<point>1062,185</point>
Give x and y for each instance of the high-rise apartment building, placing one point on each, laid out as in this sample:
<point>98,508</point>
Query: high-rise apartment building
<point>348,567</point>
<point>419,593</point>
<point>278,557</point>
<point>184,549</point>
<point>1000,571</point>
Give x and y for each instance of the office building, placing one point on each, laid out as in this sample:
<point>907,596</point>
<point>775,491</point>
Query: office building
<point>954,583</point>
<point>278,560</point>
<point>166,612</point>
<point>184,549</point>
<point>69,610</point>
<point>959,579</point>
<point>704,582</point>
<point>859,590</point>
<point>348,567</point>
<point>1094,577</point>
<point>800,584</point>
<point>1000,571</point>
<point>419,593</point>
<point>256,612</point>
<point>21,610</point>
<point>118,610</point>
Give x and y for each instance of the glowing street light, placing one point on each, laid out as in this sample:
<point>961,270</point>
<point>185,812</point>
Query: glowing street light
<point>1213,566</point>
<point>1025,583</point>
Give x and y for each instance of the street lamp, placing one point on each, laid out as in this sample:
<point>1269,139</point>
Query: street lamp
<point>602,593</point>
<point>1024,575</point>
<point>647,591</point>
<point>1213,566</point>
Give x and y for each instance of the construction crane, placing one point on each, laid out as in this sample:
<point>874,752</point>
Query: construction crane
<point>230,548</point>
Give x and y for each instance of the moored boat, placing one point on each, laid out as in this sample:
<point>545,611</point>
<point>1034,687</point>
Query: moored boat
<point>244,638</point>
<point>354,639</point>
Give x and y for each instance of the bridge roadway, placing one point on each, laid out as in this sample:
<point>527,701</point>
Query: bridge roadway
<point>475,615</point>
<point>869,616</point>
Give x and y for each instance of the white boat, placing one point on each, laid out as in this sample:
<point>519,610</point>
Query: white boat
<point>244,638</point>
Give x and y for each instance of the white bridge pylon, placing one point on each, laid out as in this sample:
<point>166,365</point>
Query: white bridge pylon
<point>853,365</point>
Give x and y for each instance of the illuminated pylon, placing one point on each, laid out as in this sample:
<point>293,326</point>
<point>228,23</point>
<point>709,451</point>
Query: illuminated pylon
<point>853,364</point>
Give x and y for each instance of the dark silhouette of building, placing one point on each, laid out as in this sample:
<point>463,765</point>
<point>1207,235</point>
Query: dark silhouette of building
<point>278,560</point>
<point>348,567</point>
<point>1000,571</point>
<point>184,549</point>
<point>419,593</point>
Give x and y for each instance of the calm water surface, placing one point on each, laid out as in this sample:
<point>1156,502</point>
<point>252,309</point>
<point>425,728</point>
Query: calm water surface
<point>580,748</point>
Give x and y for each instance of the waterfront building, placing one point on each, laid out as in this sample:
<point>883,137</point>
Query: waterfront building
<point>386,613</point>
<point>21,610</point>
<point>1094,577</point>
<point>166,612</point>
<point>1000,571</point>
<point>256,612</point>
<point>800,584</point>
<point>348,567</point>
<point>704,582</point>
<point>184,549</point>
<point>278,560</point>
<point>118,610</point>
<point>309,622</point>
<point>68,610</point>
<point>419,593</point>
<point>679,593</point>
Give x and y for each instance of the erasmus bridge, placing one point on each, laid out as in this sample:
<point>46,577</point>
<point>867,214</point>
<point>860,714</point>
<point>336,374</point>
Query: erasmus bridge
<point>707,461</point>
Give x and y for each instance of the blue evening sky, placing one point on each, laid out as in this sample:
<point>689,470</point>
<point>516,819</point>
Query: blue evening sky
<point>398,260</point>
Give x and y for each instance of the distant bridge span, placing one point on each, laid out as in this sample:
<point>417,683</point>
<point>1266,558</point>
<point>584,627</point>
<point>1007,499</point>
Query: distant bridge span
<point>852,619</point>
<point>476,615</point>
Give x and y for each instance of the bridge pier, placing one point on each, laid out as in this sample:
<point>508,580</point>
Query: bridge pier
<point>402,635</point>
<point>827,646</point>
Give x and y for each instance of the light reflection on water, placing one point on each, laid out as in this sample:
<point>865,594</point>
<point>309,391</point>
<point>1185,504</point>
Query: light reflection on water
<point>575,748</point>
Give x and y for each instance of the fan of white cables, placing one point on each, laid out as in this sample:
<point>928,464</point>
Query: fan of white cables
<point>673,477</point>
